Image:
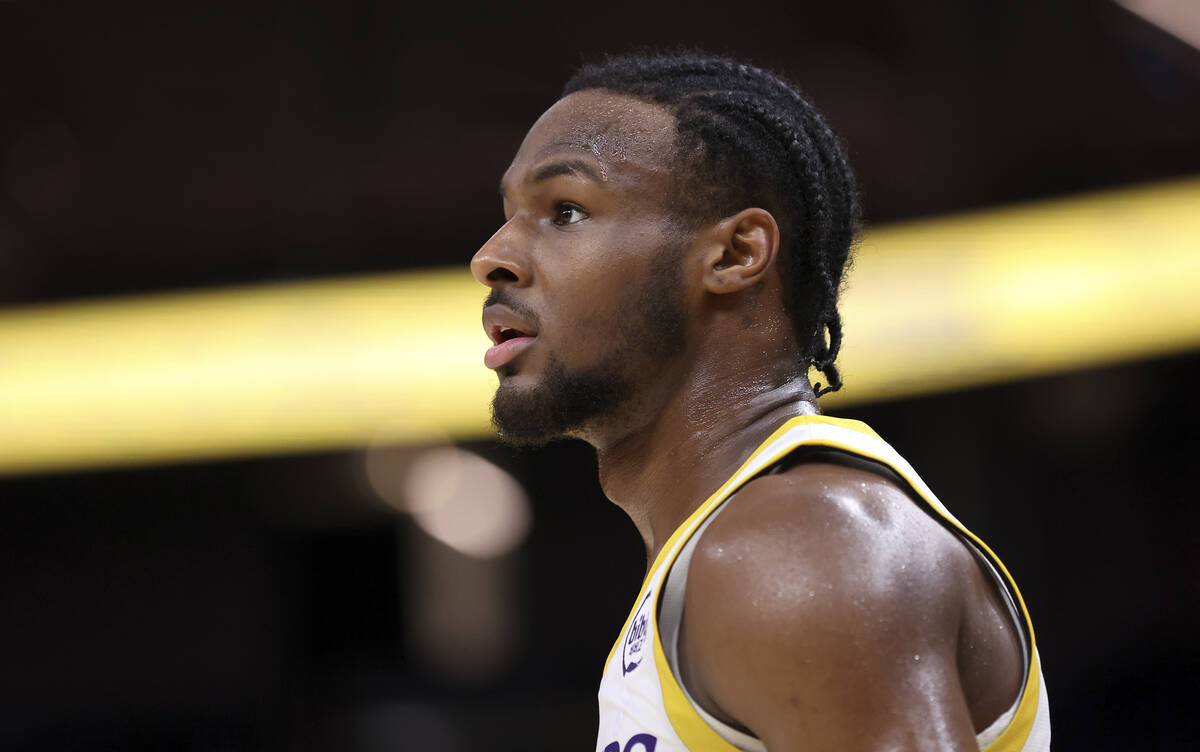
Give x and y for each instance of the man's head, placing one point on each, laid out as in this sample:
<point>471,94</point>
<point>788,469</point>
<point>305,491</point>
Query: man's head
<point>647,162</point>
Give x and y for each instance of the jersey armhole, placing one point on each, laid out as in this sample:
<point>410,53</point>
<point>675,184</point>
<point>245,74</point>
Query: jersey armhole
<point>671,599</point>
<point>670,619</point>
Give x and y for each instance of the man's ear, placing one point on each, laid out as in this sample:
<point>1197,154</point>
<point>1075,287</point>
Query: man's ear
<point>742,248</point>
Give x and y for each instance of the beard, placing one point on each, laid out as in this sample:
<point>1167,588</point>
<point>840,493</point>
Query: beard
<point>651,326</point>
<point>560,405</point>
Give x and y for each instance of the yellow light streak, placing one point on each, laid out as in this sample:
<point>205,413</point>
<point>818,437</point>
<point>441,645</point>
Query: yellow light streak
<point>931,305</point>
<point>1023,291</point>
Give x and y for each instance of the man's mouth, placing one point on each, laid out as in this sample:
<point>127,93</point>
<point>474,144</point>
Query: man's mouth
<point>510,333</point>
<point>509,344</point>
<point>505,333</point>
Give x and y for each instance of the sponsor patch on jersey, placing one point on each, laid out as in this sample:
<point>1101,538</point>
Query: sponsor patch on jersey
<point>637,639</point>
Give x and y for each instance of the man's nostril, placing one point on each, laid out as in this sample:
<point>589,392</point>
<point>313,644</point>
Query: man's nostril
<point>500,274</point>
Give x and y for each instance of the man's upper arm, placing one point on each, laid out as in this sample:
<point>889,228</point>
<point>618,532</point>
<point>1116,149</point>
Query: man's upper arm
<point>819,618</point>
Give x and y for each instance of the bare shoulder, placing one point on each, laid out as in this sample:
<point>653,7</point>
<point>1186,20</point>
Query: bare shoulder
<point>816,599</point>
<point>825,536</point>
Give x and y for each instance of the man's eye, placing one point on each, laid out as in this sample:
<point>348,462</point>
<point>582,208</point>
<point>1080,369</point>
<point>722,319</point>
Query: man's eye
<point>567,214</point>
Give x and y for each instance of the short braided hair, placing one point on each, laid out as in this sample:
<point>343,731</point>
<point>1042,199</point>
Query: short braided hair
<point>747,137</point>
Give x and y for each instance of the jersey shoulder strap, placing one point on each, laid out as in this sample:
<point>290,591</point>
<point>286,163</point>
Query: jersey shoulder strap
<point>1024,728</point>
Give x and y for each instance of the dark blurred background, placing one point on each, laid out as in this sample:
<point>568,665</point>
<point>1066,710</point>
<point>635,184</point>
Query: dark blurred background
<point>280,604</point>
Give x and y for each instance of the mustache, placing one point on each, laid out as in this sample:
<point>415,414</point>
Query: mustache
<point>503,297</point>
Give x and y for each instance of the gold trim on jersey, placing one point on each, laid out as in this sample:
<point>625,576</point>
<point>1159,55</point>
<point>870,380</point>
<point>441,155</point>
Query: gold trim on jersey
<point>714,500</point>
<point>691,728</point>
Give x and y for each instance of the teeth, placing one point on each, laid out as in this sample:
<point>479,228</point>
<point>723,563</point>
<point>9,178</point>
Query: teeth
<point>501,333</point>
<point>505,333</point>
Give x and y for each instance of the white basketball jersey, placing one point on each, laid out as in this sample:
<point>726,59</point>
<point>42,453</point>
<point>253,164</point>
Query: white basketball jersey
<point>644,707</point>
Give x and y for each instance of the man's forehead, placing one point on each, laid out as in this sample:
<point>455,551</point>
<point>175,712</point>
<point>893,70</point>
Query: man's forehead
<point>614,129</point>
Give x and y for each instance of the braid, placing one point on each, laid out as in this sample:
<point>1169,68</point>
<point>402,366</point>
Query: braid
<point>749,138</point>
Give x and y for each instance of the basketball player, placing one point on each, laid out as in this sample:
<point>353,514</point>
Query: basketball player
<point>667,274</point>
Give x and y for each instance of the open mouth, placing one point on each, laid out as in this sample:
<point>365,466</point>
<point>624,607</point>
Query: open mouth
<point>511,334</point>
<point>501,334</point>
<point>510,342</point>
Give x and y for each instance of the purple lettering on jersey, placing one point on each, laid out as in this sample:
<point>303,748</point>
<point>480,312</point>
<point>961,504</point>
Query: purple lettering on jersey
<point>636,743</point>
<point>645,741</point>
<point>636,639</point>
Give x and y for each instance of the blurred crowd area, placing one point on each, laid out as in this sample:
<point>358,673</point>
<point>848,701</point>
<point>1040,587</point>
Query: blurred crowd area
<point>304,602</point>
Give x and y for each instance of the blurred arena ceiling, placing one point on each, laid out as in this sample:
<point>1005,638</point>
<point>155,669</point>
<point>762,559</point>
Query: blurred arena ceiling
<point>146,147</point>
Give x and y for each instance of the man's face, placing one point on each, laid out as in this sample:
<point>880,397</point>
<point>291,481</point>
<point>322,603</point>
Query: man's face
<point>587,298</point>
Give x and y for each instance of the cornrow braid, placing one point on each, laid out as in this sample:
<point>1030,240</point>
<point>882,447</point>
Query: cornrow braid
<point>747,137</point>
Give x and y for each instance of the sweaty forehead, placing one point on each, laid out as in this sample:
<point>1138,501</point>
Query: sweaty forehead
<point>618,131</point>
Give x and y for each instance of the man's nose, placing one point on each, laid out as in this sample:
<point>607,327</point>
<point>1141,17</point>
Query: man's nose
<point>498,263</point>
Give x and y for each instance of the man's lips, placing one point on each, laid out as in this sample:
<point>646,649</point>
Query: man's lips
<point>509,331</point>
<point>498,355</point>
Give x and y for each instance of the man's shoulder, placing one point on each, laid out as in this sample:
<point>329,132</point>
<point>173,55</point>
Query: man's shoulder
<point>823,579</point>
<point>838,551</point>
<point>826,524</point>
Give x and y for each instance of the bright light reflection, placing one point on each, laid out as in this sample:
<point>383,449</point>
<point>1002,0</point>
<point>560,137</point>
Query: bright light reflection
<point>460,499</point>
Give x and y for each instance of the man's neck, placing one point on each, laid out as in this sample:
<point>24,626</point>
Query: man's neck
<point>662,471</point>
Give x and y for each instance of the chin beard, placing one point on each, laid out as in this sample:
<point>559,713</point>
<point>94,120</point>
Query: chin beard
<point>558,407</point>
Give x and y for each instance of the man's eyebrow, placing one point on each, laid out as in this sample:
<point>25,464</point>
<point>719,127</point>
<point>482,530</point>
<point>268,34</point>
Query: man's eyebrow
<point>576,167</point>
